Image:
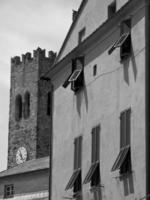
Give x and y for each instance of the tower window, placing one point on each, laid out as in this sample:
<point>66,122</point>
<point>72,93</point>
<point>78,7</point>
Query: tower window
<point>8,191</point>
<point>111,9</point>
<point>49,103</point>
<point>27,105</point>
<point>18,107</point>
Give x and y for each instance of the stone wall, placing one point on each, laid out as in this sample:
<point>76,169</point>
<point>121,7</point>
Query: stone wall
<point>26,76</point>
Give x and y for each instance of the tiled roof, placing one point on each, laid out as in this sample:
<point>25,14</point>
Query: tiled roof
<point>29,166</point>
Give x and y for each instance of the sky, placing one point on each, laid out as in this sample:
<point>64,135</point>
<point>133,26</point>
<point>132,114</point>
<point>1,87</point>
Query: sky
<point>24,26</point>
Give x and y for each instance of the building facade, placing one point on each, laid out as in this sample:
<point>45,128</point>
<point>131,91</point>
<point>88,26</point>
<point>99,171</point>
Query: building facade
<point>99,104</point>
<point>93,103</point>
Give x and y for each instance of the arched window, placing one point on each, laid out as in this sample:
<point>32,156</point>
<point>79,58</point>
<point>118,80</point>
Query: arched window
<point>26,105</point>
<point>49,103</point>
<point>18,107</point>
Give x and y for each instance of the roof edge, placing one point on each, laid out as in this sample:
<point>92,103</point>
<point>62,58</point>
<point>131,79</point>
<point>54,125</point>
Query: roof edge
<point>83,3</point>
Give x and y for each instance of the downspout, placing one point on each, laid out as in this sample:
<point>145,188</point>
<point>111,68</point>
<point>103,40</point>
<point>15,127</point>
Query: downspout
<point>147,95</point>
<point>51,144</point>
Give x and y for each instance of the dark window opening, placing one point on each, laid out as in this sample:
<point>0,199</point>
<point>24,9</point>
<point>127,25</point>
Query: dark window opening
<point>95,180</point>
<point>78,184</point>
<point>124,42</point>
<point>125,49</point>
<point>49,103</point>
<point>123,161</point>
<point>94,70</point>
<point>111,9</point>
<point>75,181</point>
<point>8,191</point>
<point>76,78</point>
<point>91,172</point>
<point>81,35</point>
<point>18,107</point>
<point>126,166</point>
<point>27,105</point>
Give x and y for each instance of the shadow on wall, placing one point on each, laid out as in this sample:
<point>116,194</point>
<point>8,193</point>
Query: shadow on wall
<point>80,96</point>
<point>126,67</point>
<point>128,184</point>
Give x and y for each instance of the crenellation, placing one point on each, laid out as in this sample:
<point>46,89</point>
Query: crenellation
<point>37,54</point>
<point>52,55</point>
<point>16,60</point>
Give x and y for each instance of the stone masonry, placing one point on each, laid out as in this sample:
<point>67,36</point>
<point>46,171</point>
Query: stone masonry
<point>33,132</point>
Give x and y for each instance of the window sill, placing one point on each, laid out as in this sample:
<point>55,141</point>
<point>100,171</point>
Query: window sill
<point>124,175</point>
<point>96,188</point>
<point>77,195</point>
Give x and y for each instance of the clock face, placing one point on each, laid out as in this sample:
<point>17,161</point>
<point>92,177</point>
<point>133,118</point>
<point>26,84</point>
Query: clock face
<point>21,155</point>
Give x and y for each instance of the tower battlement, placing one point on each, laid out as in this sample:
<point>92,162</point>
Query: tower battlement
<point>37,54</point>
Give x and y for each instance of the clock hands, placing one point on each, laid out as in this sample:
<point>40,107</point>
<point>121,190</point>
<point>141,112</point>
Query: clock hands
<point>21,155</point>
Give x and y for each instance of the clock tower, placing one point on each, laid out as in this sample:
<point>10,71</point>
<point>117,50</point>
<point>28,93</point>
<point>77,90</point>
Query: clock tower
<point>30,107</point>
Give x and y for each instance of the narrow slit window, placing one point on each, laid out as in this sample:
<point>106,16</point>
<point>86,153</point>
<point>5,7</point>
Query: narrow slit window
<point>49,103</point>
<point>95,70</point>
<point>18,107</point>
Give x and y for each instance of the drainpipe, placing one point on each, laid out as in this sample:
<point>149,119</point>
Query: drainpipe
<point>147,95</point>
<point>51,144</point>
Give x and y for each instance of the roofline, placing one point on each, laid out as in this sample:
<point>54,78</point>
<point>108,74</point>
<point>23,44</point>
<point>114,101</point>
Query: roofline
<point>71,27</point>
<point>109,23</point>
<point>18,173</point>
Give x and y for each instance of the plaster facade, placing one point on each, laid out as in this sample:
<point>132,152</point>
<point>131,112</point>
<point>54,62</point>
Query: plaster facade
<point>116,87</point>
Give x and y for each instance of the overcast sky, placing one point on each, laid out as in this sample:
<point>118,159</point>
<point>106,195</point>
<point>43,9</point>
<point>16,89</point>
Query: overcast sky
<point>25,25</point>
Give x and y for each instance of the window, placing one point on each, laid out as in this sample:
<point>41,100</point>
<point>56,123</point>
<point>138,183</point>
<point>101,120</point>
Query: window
<point>94,70</point>
<point>76,179</point>
<point>111,9</point>
<point>93,174</point>
<point>49,103</point>
<point>125,49</point>
<point>8,191</point>
<point>27,105</point>
<point>124,42</point>
<point>18,107</point>
<point>123,161</point>
<point>76,78</point>
<point>81,35</point>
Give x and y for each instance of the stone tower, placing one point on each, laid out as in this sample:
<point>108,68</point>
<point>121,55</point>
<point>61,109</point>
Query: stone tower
<point>30,107</point>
